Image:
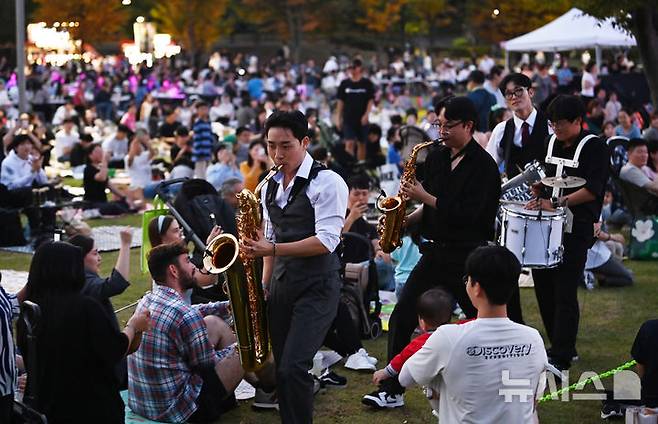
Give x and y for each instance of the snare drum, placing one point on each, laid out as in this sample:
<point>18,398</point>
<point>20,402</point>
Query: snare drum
<point>535,238</point>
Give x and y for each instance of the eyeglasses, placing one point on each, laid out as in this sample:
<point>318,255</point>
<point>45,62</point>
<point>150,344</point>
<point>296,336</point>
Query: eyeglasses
<point>517,92</point>
<point>446,126</point>
<point>559,124</point>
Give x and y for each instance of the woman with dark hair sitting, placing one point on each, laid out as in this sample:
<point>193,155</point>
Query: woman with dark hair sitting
<point>96,180</point>
<point>102,289</point>
<point>165,229</point>
<point>77,345</point>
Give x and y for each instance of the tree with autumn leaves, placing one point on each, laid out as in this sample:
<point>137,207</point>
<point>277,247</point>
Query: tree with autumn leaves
<point>99,20</point>
<point>195,24</point>
<point>639,17</point>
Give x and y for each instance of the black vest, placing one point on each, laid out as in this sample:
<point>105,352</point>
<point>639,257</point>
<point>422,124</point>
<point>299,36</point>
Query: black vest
<point>518,157</point>
<point>296,221</point>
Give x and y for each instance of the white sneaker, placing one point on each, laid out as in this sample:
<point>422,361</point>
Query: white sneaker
<point>359,361</point>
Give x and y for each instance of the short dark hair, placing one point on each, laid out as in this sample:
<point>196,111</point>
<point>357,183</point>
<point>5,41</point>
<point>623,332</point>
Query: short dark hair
<point>200,103</point>
<point>460,109</point>
<point>517,78</point>
<point>295,121</point>
<point>160,257</point>
<point>495,71</point>
<point>87,137</point>
<point>566,107</point>
<point>396,120</point>
<point>91,148</point>
<point>124,129</point>
<point>435,307</point>
<point>357,63</point>
<point>476,77</point>
<point>634,143</point>
<point>182,131</point>
<point>319,153</point>
<point>497,271</point>
<point>240,130</point>
<point>375,129</point>
<point>358,182</point>
<point>20,139</point>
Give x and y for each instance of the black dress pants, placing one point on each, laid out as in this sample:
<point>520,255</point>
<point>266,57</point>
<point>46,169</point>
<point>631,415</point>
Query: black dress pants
<point>436,268</point>
<point>343,336</point>
<point>557,293</point>
<point>301,310</point>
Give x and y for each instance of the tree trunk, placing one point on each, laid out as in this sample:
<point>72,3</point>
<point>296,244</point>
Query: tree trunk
<point>294,29</point>
<point>645,29</point>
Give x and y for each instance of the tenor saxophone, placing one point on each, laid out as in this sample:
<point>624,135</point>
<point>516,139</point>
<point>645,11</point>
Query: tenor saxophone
<point>244,279</point>
<point>393,208</point>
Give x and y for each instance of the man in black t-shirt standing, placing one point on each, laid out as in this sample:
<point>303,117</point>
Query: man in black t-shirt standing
<point>355,100</point>
<point>557,288</point>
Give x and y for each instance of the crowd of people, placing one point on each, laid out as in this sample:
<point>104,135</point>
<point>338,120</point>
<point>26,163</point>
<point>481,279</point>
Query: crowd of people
<point>123,131</point>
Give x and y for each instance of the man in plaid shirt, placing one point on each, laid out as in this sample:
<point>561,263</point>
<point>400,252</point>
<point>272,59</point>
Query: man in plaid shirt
<point>187,366</point>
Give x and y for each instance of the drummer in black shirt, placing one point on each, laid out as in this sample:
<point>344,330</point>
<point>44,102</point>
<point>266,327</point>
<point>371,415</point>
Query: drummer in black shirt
<point>459,194</point>
<point>556,288</point>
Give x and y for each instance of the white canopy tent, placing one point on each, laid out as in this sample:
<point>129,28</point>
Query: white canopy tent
<point>573,30</point>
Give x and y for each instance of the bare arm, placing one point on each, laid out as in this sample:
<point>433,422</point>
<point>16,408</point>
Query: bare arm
<point>339,114</point>
<point>9,137</point>
<point>123,260</point>
<point>310,246</point>
<point>580,196</point>
<point>268,265</point>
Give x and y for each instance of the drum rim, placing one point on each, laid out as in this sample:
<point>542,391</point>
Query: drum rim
<point>561,214</point>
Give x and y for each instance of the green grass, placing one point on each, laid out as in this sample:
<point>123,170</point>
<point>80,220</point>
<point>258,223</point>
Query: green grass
<point>609,322</point>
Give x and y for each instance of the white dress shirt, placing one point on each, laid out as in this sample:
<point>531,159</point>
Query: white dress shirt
<point>64,141</point>
<point>17,173</point>
<point>494,147</point>
<point>327,193</point>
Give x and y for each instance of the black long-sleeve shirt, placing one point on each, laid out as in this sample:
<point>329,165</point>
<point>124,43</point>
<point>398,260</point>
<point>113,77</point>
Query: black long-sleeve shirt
<point>467,197</point>
<point>102,289</point>
<point>78,349</point>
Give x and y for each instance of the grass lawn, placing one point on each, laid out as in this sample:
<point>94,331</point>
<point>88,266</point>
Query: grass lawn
<point>609,321</point>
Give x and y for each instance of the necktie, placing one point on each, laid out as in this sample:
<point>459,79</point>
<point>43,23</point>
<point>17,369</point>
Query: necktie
<point>525,133</point>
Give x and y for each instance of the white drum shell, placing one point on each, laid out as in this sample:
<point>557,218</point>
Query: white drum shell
<point>535,239</point>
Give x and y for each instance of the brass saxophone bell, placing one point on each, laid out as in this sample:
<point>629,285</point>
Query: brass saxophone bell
<point>221,253</point>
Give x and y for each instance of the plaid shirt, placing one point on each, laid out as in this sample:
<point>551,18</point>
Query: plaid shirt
<point>162,382</point>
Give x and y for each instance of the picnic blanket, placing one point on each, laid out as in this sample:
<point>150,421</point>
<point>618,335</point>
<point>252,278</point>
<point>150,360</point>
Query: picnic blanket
<point>106,238</point>
<point>13,281</point>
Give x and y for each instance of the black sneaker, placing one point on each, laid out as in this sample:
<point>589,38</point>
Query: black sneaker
<point>332,380</point>
<point>265,400</point>
<point>611,409</point>
<point>381,399</point>
<point>574,357</point>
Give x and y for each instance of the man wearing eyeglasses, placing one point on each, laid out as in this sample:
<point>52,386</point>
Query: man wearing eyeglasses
<point>519,140</point>
<point>556,288</point>
<point>459,196</point>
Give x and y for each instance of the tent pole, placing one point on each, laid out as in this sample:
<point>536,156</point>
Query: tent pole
<point>507,60</point>
<point>597,54</point>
